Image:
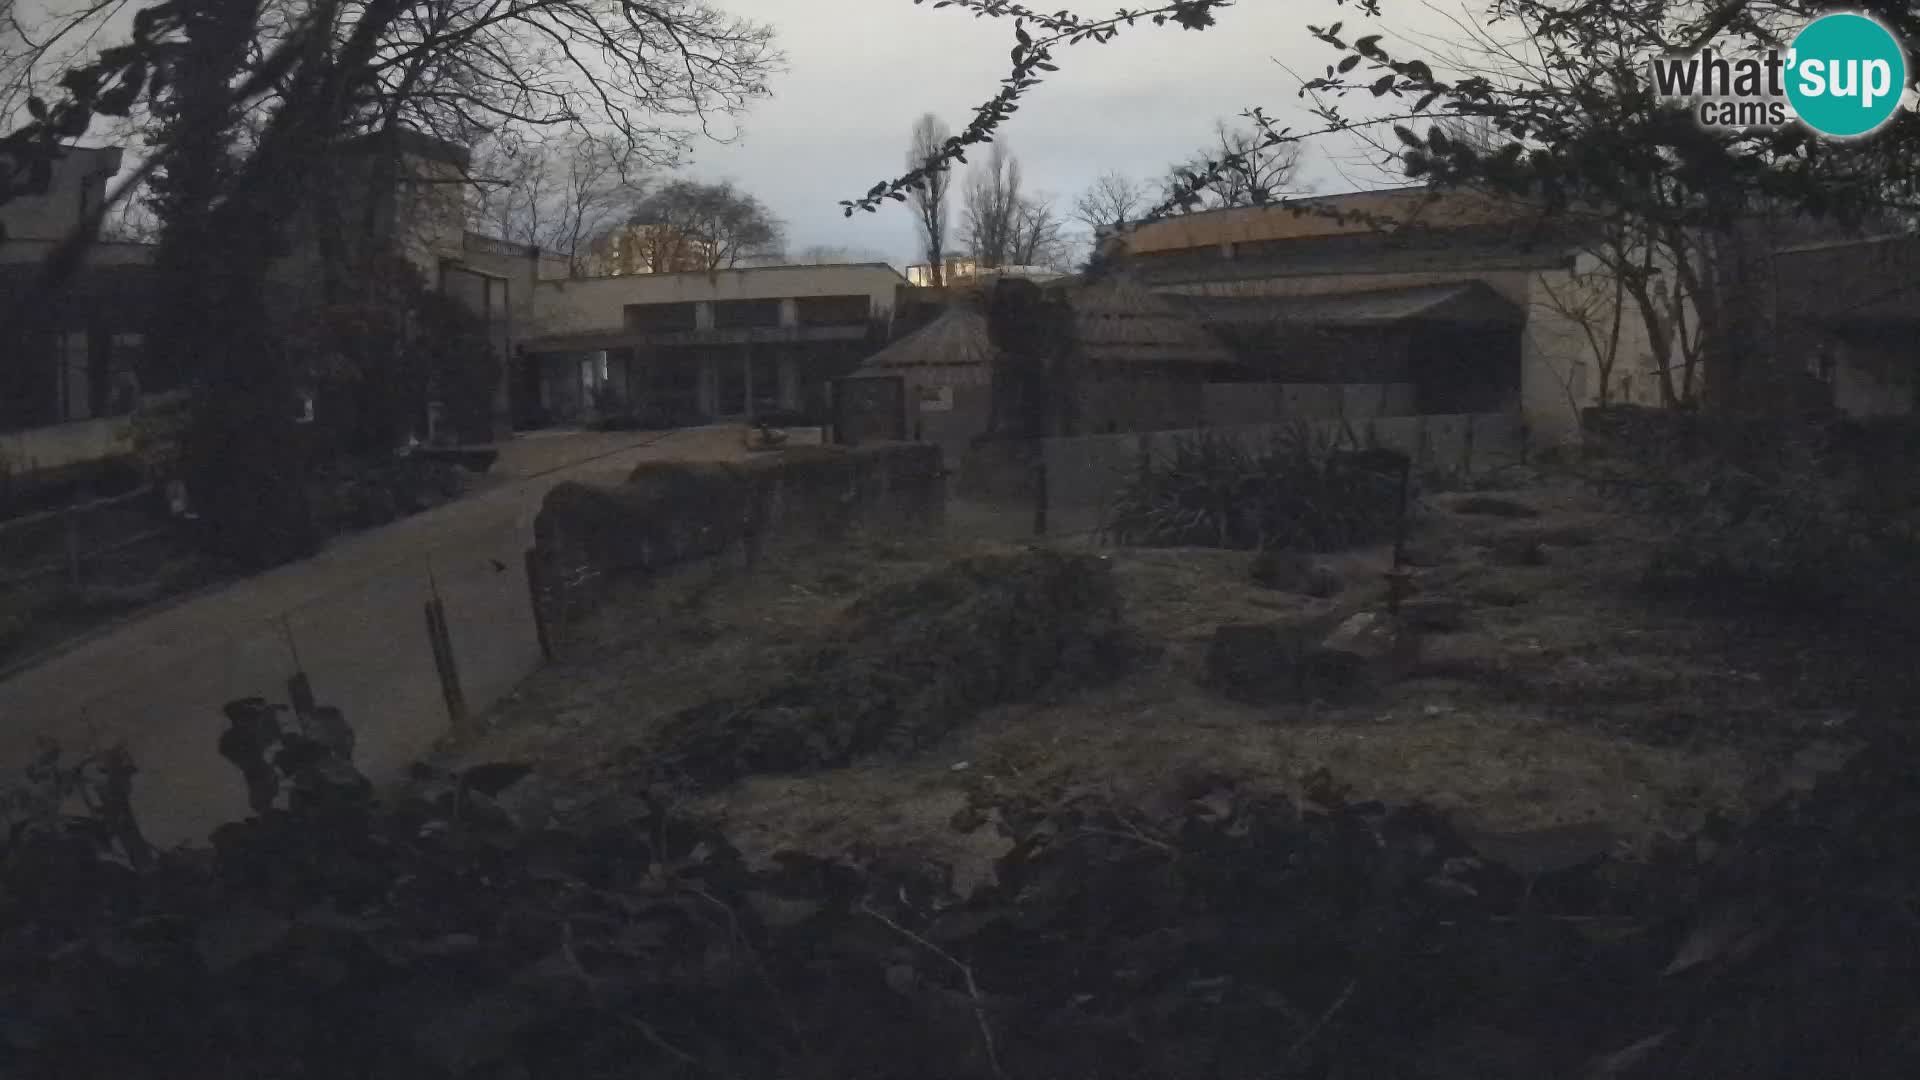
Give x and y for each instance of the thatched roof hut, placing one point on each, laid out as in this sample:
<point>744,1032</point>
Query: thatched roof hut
<point>1120,326</point>
<point>954,348</point>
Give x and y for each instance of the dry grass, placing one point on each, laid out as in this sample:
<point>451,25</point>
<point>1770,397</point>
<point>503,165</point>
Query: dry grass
<point>1565,699</point>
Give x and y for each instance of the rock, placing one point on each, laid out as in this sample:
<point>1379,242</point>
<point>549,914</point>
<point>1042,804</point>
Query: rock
<point>1517,551</point>
<point>1269,663</point>
<point>1433,613</point>
<point>1365,650</point>
<point>1276,568</point>
<point>1425,554</point>
<point>1255,663</point>
<point>1500,594</point>
<point>1291,571</point>
<point>1323,581</point>
<point>1493,506</point>
<point>1543,851</point>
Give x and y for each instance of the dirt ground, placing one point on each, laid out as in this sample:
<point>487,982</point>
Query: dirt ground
<point>1568,695</point>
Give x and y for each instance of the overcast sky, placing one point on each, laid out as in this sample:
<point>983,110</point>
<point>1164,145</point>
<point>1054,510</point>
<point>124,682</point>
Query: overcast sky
<point>860,71</point>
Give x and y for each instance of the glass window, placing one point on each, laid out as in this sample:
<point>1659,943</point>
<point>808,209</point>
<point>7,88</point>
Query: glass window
<point>75,384</point>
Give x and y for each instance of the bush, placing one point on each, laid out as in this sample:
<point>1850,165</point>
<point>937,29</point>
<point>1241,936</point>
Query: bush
<point>1297,491</point>
<point>448,932</point>
<point>908,663</point>
<point>1779,514</point>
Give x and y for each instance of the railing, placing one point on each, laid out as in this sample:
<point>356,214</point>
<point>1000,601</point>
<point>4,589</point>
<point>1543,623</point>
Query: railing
<point>61,543</point>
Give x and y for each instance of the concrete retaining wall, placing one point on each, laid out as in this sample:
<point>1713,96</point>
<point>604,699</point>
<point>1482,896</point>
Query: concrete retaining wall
<point>1236,404</point>
<point>671,515</point>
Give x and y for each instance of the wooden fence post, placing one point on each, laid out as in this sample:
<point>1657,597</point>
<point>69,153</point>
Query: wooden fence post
<point>1039,487</point>
<point>442,642</point>
<point>535,592</point>
<point>72,538</point>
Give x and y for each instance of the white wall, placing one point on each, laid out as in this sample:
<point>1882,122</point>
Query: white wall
<point>60,445</point>
<point>595,305</point>
<point>1559,364</point>
<point>83,174</point>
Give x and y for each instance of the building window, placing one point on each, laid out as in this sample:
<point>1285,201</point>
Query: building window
<point>766,384</point>
<point>833,310</point>
<point>123,373</point>
<point>75,384</point>
<point>746,314</point>
<point>92,192</point>
<point>662,318</point>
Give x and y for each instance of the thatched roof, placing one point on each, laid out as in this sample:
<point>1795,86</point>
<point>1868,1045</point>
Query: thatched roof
<point>1119,323</point>
<point>956,338</point>
<point>1465,303</point>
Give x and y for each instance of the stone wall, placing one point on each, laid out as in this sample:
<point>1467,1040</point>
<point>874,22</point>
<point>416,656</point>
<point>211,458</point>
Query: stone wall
<point>1264,403</point>
<point>671,515</point>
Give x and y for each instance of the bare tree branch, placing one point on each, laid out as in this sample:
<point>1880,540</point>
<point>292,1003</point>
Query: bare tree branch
<point>929,197</point>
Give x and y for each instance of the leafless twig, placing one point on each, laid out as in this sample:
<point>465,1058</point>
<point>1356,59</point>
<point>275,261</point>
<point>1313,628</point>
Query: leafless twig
<point>973,988</point>
<point>1314,1031</point>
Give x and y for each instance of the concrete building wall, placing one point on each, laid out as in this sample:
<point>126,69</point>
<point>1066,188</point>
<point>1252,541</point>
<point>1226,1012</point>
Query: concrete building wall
<point>80,182</point>
<point>1104,405</point>
<point>1874,378</point>
<point>1265,403</point>
<point>1511,284</point>
<point>1561,364</point>
<point>594,305</point>
<point>1559,369</point>
<point>950,406</point>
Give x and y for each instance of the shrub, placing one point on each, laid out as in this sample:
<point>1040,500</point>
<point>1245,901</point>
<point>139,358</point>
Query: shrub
<point>1295,491</point>
<point>1778,514</point>
<point>908,663</point>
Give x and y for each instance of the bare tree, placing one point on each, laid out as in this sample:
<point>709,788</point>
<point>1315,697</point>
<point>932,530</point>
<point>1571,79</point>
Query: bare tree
<point>836,255</point>
<point>1039,234</point>
<point>717,226</point>
<point>1110,201</point>
<point>993,210</point>
<point>558,196</point>
<point>1243,167</point>
<point>929,198</point>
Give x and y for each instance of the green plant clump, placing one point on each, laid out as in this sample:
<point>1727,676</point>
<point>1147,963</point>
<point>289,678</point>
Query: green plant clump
<point>1295,492</point>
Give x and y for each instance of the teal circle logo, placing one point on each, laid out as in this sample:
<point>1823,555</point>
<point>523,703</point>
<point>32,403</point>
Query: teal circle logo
<point>1848,75</point>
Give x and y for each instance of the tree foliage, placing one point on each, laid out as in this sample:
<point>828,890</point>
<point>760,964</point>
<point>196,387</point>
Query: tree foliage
<point>689,225</point>
<point>256,98</point>
<point>1241,169</point>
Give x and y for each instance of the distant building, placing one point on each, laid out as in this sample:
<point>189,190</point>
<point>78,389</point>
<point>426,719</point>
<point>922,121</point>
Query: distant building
<point>79,186</point>
<point>690,347</point>
<point>1138,362</point>
<point>1455,295</point>
<point>1848,320</point>
<point>70,362</point>
<point>960,268</point>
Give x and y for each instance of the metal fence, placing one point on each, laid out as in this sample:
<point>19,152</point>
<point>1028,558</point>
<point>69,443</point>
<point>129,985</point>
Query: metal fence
<point>93,557</point>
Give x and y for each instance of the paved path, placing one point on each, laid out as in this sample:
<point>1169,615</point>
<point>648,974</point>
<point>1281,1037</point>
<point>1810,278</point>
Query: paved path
<point>352,616</point>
